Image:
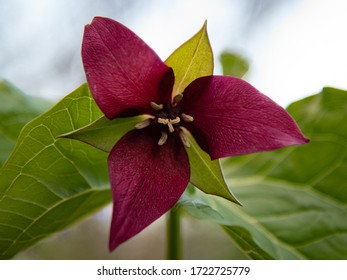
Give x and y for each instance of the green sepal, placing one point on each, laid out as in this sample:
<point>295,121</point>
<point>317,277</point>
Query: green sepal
<point>206,174</point>
<point>191,60</point>
<point>104,133</point>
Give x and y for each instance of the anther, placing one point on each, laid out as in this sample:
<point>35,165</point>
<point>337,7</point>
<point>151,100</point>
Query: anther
<point>163,121</point>
<point>187,118</point>
<point>184,138</point>
<point>171,128</point>
<point>156,106</point>
<point>175,120</point>
<point>169,123</point>
<point>163,138</point>
<point>144,123</point>
<point>178,98</point>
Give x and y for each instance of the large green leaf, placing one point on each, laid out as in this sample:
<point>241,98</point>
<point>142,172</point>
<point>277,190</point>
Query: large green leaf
<point>191,60</point>
<point>295,199</point>
<point>16,109</point>
<point>49,183</point>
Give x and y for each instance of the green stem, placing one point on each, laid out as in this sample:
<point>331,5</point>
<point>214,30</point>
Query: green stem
<point>173,227</point>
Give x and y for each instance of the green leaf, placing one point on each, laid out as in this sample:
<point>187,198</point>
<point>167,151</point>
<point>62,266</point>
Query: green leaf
<point>206,174</point>
<point>295,199</point>
<point>246,243</point>
<point>191,60</point>
<point>16,109</point>
<point>233,64</point>
<point>104,133</point>
<point>49,183</point>
<point>198,209</point>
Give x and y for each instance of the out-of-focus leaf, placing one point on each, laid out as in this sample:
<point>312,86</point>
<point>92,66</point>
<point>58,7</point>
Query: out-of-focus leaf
<point>16,109</point>
<point>196,208</point>
<point>246,242</point>
<point>233,64</point>
<point>191,60</point>
<point>295,199</point>
<point>49,183</point>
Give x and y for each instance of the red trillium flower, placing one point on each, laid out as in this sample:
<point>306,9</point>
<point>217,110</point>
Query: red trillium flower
<point>149,166</point>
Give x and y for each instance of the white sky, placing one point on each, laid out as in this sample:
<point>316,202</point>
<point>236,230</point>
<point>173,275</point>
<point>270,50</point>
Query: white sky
<point>306,51</point>
<point>294,51</point>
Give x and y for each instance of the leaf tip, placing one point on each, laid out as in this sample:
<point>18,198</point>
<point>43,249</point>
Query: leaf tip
<point>204,27</point>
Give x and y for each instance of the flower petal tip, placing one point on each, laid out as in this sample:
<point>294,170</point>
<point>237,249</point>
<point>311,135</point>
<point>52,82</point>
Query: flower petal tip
<point>305,140</point>
<point>115,241</point>
<point>112,245</point>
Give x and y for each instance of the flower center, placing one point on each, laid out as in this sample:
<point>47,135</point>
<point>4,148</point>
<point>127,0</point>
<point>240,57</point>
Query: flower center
<point>169,119</point>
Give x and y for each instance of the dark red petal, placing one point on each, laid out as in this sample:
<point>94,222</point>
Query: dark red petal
<point>231,117</point>
<point>146,180</point>
<point>123,72</point>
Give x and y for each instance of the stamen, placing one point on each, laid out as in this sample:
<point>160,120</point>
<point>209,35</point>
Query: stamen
<point>156,106</point>
<point>184,138</point>
<point>175,120</point>
<point>163,121</point>
<point>171,128</point>
<point>178,98</point>
<point>144,123</point>
<point>187,118</point>
<point>169,123</point>
<point>163,138</point>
